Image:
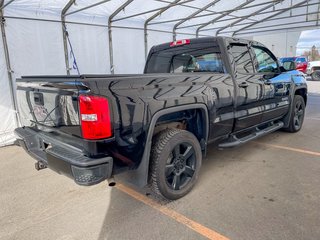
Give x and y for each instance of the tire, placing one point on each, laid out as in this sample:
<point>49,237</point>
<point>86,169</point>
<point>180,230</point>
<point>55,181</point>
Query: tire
<point>172,174</point>
<point>315,76</point>
<point>297,116</point>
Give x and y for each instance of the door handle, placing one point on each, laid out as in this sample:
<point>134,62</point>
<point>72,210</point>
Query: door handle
<point>243,85</point>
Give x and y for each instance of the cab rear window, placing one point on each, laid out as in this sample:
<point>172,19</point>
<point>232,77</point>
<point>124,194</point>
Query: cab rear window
<point>187,58</point>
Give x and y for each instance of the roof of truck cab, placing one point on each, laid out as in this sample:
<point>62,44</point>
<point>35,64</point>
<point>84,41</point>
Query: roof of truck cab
<point>166,45</point>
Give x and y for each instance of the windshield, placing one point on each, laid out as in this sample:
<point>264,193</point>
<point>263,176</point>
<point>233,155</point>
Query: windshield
<point>203,57</point>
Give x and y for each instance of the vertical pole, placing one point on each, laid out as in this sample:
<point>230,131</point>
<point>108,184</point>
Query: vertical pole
<point>174,30</point>
<point>110,49</point>
<point>150,19</point>
<point>8,65</point>
<point>110,32</point>
<point>318,15</point>
<point>65,33</point>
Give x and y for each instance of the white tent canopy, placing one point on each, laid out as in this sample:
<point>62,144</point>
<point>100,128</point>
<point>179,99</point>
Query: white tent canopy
<point>113,36</point>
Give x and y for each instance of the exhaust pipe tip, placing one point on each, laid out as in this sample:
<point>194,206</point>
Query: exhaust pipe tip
<point>111,182</point>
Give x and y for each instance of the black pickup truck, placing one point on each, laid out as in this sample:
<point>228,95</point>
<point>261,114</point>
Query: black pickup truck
<point>154,128</point>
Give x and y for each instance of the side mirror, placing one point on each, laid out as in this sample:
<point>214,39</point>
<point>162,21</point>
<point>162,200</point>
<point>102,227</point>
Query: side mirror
<point>289,65</point>
<point>282,69</point>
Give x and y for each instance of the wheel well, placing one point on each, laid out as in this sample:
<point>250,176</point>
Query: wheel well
<point>302,92</point>
<point>193,120</point>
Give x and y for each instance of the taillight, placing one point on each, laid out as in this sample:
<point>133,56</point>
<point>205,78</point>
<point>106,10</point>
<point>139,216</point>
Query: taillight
<point>180,42</point>
<point>95,117</point>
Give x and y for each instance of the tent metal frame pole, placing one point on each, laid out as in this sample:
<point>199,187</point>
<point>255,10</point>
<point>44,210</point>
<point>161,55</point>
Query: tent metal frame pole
<point>269,17</point>
<point>7,59</point>
<point>174,30</point>
<point>276,25</point>
<point>145,26</point>
<point>2,5</point>
<point>267,20</point>
<point>65,33</point>
<point>96,25</point>
<point>87,7</point>
<point>279,29</point>
<point>273,11</point>
<point>244,18</point>
<point>222,16</point>
<point>212,13</point>
<point>191,7</point>
<point>110,20</point>
<point>318,15</point>
<point>150,11</point>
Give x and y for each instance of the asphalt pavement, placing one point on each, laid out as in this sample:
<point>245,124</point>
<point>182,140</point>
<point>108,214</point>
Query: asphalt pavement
<point>266,189</point>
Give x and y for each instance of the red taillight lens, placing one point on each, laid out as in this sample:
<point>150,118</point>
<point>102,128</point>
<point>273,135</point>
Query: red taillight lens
<point>95,117</point>
<point>180,42</point>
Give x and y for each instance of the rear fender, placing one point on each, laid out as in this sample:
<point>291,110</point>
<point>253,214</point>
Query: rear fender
<point>139,176</point>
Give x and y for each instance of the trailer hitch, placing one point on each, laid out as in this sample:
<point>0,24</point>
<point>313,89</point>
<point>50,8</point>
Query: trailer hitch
<point>39,166</point>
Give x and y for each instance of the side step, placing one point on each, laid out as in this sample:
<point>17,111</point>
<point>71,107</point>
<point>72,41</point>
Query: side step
<point>234,141</point>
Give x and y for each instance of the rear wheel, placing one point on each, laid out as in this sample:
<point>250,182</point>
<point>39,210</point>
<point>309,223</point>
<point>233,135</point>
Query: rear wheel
<point>175,163</point>
<point>297,115</point>
<point>315,76</point>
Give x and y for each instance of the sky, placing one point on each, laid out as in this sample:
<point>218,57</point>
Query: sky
<point>307,40</point>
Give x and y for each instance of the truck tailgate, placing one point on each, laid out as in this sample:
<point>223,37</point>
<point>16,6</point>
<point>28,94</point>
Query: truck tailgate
<point>50,104</point>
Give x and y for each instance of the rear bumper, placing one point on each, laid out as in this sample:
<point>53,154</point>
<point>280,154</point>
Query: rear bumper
<point>64,158</point>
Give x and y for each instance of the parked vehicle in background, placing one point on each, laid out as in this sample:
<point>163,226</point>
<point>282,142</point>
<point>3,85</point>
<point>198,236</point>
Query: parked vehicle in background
<point>313,70</point>
<point>155,127</point>
<point>298,63</point>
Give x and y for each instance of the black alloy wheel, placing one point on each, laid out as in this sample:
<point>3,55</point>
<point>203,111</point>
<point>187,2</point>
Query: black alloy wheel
<point>297,114</point>
<point>176,158</point>
<point>180,166</point>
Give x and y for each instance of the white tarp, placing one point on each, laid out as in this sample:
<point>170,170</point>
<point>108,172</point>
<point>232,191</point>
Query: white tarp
<point>35,42</point>
<point>7,114</point>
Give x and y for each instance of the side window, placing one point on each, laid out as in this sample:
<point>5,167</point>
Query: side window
<point>242,58</point>
<point>265,61</point>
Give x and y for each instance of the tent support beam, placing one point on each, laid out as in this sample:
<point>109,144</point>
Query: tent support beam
<point>212,13</point>
<point>174,31</point>
<point>280,29</point>
<point>65,33</point>
<point>7,59</point>
<point>267,20</point>
<point>2,5</point>
<point>110,20</point>
<point>269,17</point>
<point>222,16</point>
<point>276,25</point>
<point>87,7</point>
<point>145,27</point>
<point>150,11</point>
<point>98,25</point>
<point>263,13</point>
<point>318,15</point>
<point>243,18</point>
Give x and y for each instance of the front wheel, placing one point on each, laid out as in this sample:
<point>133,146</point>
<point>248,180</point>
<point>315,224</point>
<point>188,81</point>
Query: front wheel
<point>297,114</point>
<point>175,163</point>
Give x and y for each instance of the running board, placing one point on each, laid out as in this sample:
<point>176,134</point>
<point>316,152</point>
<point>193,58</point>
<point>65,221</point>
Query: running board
<point>234,141</point>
